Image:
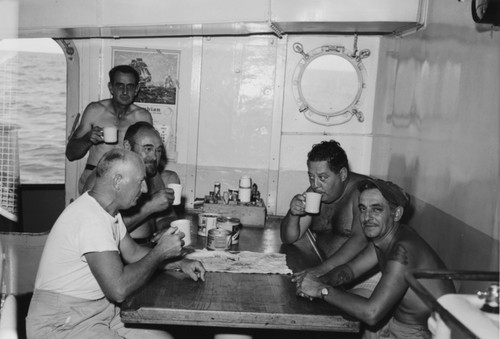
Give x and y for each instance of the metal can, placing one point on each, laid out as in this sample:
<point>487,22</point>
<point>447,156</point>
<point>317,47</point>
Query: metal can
<point>233,225</point>
<point>222,223</point>
<point>202,225</point>
<point>211,221</point>
<point>206,222</point>
<point>218,239</point>
<point>236,225</point>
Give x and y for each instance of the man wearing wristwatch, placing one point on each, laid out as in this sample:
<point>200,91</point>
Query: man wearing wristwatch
<point>336,229</point>
<point>396,249</point>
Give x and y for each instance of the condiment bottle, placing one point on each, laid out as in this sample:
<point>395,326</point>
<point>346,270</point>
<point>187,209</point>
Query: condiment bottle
<point>217,191</point>
<point>245,191</point>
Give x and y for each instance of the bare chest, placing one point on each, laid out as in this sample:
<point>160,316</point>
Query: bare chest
<point>336,218</point>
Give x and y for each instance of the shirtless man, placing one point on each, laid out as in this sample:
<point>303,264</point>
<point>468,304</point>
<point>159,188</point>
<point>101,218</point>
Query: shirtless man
<point>396,249</point>
<point>337,227</point>
<point>153,212</point>
<point>119,111</point>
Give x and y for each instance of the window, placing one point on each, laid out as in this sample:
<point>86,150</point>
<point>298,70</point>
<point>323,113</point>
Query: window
<point>35,100</point>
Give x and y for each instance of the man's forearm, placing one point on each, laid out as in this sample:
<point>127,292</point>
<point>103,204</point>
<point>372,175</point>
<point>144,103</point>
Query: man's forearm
<point>339,276</point>
<point>138,273</point>
<point>77,148</point>
<point>290,228</point>
<point>135,220</point>
<point>135,217</point>
<point>352,247</point>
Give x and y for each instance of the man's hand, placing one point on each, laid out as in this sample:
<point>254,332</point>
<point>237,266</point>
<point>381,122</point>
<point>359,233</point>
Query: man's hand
<point>315,271</point>
<point>161,200</point>
<point>298,205</point>
<point>193,268</point>
<point>309,286</point>
<point>96,135</point>
<point>168,243</point>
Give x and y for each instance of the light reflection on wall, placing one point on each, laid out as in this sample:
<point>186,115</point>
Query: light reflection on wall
<point>268,240</point>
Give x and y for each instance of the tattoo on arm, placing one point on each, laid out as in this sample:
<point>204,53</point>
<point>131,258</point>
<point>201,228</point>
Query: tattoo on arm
<point>340,275</point>
<point>399,254</point>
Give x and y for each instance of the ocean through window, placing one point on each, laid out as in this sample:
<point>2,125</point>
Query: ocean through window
<point>36,95</point>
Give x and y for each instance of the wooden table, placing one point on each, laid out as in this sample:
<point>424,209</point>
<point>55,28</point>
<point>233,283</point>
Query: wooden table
<point>237,300</point>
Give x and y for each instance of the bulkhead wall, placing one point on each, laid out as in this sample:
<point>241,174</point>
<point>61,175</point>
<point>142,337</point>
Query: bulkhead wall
<point>234,113</point>
<point>438,132</point>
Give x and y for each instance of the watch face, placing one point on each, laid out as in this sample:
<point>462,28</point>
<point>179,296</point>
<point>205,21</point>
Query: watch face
<point>324,292</point>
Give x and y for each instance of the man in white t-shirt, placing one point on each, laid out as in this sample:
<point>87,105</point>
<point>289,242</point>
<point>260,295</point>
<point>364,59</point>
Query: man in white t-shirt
<point>90,263</point>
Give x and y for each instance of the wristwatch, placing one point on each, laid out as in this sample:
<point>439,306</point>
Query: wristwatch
<point>324,292</point>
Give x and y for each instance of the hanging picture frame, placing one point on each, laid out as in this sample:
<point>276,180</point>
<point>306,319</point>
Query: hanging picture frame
<point>159,88</point>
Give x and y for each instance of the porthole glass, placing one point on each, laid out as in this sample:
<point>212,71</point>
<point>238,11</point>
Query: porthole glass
<point>328,84</point>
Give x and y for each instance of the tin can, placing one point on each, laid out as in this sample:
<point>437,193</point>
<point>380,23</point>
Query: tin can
<point>211,220</point>
<point>236,224</point>
<point>218,239</point>
<point>206,222</point>
<point>233,225</point>
<point>222,223</point>
<point>202,225</point>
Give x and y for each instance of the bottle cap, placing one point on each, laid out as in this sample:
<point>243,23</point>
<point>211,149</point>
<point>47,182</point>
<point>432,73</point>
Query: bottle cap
<point>245,182</point>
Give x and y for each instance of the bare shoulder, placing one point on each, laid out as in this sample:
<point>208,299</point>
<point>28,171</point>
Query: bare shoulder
<point>170,177</point>
<point>95,109</point>
<point>409,247</point>
<point>351,194</point>
<point>356,178</point>
<point>99,106</point>
<point>140,112</point>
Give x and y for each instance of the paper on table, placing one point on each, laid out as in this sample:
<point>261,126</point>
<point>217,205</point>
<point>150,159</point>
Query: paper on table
<point>242,262</point>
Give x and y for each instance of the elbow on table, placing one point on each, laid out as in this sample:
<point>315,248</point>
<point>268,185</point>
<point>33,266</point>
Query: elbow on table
<point>289,240</point>
<point>372,316</point>
<point>117,295</point>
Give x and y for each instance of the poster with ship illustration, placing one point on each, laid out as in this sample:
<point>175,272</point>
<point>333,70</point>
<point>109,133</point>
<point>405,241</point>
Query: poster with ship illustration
<point>159,86</point>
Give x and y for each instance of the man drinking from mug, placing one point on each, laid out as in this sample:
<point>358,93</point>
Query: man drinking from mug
<point>336,228</point>
<point>119,111</point>
<point>153,212</point>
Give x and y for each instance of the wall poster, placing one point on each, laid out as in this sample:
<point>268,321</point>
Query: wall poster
<point>159,82</point>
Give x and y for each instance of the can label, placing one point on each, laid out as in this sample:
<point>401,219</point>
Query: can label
<point>218,239</point>
<point>236,225</point>
<point>233,225</point>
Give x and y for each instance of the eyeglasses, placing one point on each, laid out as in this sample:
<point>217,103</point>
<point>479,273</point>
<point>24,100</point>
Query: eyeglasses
<point>151,149</point>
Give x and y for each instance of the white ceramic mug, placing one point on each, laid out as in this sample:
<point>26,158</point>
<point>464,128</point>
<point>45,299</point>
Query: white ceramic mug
<point>177,193</point>
<point>313,202</point>
<point>110,134</point>
<point>184,226</point>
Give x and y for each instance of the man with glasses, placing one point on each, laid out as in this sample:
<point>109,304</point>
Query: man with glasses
<point>153,212</point>
<point>119,111</point>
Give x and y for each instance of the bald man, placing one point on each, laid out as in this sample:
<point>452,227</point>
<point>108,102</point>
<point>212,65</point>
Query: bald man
<point>90,264</point>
